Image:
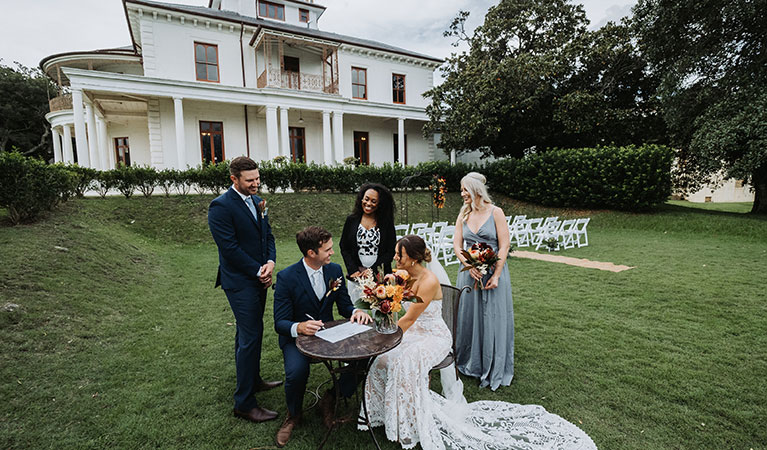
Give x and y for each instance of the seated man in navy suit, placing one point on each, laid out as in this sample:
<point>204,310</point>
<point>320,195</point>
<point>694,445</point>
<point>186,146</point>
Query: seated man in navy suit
<point>306,291</point>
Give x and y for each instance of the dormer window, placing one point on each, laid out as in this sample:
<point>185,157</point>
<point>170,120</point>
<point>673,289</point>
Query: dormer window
<point>271,10</point>
<point>303,15</point>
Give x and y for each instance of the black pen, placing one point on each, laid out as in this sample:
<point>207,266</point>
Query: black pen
<point>322,327</point>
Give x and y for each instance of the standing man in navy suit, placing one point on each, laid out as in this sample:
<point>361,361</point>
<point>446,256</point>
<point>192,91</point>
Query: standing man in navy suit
<point>307,291</point>
<point>246,254</point>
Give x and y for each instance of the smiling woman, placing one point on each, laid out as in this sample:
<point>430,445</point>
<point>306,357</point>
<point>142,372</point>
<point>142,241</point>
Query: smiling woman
<point>368,237</point>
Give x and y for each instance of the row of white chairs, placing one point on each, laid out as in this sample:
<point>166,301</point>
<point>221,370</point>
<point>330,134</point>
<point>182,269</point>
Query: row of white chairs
<point>538,232</point>
<point>535,232</point>
<point>437,235</point>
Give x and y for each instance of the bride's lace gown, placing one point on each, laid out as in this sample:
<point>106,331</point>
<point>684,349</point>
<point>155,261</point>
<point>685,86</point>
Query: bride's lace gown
<point>398,397</point>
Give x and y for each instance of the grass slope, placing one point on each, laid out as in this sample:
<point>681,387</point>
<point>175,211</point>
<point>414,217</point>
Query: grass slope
<point>120,340</point>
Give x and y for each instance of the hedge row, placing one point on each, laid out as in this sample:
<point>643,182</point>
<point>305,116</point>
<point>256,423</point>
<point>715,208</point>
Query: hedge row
<point>627,178</point>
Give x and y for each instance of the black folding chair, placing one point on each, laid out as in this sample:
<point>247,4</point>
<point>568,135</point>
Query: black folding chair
<point>451,296</point>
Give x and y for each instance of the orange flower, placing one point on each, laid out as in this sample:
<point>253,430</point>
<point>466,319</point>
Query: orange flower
<point>402,274</point>
<point>390,291</point>
<point>396,307</point>
<point>380,291</point>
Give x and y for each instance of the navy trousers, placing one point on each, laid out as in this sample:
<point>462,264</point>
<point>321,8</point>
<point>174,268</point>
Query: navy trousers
<point>297,373</point>
<point>248,307</point>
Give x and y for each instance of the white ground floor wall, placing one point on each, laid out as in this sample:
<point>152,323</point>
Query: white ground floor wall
<point>152,138</point>
<point>729,191</point>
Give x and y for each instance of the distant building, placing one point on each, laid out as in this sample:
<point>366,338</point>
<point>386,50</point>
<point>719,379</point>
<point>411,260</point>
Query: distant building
<point>728,191</point>
<point>239,77</point>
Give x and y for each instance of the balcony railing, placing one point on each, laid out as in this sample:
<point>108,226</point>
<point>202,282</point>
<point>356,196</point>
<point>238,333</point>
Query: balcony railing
<point>295,80</point>
<point>60,103</point>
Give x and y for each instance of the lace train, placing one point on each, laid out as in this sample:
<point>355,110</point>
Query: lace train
<point>398,397</point>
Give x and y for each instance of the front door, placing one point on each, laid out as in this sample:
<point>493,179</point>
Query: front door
<point>362,147</point>
<point>297,144</point>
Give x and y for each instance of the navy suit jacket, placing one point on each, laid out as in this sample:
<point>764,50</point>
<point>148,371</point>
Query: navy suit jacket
<point>244,243</point>
<point>294,298</point>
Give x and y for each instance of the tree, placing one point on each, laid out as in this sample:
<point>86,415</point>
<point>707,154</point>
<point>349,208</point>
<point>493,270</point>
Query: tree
<point>535,78</point>
<point>24,94</point>
<point>712,59</point>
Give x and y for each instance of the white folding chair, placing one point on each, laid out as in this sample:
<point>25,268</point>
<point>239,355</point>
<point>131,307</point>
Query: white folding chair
<point>445,245</point>
<point>565,234</point>
<point>402,230</point>
<point>547,231</point>
<point>417,226</point>
<point>437,230</point>
<point>517,234</point>
<point>508,219</point>
<point>532,227</point>
<point>580,234</point>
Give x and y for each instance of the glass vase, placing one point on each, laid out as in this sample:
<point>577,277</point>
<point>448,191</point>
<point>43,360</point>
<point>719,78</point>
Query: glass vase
<point>388,323</point>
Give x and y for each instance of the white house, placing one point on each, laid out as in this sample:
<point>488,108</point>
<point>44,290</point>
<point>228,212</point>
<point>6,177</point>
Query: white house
<point>238,77</point>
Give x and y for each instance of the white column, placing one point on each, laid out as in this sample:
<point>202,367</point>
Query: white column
<point>105,160</point>
<point>178,109</point>
<point>327,150</point>
<point>401,140</point>
<point>56,145</point>
<point>272,148</point>
<point>92,138</point>
<point>338,135</point>
<point>452,157</point>
<point>81,141</point>
<point>284,139</point>
<point>68,156</point>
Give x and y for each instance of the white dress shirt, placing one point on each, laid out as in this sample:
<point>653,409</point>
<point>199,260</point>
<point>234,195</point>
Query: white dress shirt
<point>245,199</point>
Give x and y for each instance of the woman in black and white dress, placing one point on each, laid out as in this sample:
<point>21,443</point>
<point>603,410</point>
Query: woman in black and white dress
<point>368,238</point>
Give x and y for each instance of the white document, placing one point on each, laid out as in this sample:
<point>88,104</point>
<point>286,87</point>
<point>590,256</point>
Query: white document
<point>341,332</point>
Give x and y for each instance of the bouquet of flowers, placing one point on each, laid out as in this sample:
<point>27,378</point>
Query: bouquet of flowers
<point>438,189</point>
<point>383,297</point>
<point>481,257</point>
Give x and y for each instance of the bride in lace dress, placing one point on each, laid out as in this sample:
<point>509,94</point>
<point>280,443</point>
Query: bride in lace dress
<point>398,395</point>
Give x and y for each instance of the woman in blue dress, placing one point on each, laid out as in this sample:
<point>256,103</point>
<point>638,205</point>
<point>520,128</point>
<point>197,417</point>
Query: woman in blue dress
<point>485,332</point>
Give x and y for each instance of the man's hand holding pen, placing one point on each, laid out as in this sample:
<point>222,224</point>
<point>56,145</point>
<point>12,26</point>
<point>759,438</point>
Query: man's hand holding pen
<point>310,327</point>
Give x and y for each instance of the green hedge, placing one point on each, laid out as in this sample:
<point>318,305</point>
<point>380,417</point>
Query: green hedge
<point>29,186</point>
<point>627,178</point>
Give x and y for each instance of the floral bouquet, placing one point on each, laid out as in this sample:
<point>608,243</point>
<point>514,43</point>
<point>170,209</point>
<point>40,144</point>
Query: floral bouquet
<point>481,257</point>
<point>383,297</point>
<point>438,189</point>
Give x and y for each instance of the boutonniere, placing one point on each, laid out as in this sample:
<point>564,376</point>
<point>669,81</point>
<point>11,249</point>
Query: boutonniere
<point>263,208</point>
<point>333,286</point>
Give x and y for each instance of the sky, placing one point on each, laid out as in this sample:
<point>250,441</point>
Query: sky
<point>33,29</point>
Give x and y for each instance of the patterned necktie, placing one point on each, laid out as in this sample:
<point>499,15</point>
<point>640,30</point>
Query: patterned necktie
<point>251,207</point>
<point>317,284</point>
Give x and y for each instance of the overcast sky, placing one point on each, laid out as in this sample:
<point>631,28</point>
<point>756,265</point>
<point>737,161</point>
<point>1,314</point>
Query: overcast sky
<point>33,29</point>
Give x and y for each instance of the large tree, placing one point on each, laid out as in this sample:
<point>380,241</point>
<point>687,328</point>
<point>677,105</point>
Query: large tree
<point>712,57</point>
<point>534,77</point>
<point>24,94</point>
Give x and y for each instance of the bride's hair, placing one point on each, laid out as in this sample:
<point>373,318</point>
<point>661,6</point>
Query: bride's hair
<point>415,247</point>
<point>474,183</point>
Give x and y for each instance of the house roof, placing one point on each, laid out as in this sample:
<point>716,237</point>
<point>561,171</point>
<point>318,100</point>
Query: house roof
<point>126,51</point>
<point>232,16</point>
<point>210,3</point>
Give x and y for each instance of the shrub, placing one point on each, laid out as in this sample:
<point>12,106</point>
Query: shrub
<point>166,180</point>
<point>126,180</point>
<point>105,181</point>
<point>626,178</point>
<point>146,179</point>
<point>29,186</point>
<point>84,177</point>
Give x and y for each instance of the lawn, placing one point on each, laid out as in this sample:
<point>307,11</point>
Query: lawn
<point>120,339</point>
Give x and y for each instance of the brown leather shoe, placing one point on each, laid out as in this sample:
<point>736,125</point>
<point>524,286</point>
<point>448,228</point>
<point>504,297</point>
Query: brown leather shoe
<point>266,385</point>
<point>283,434</point>
<point>256,414</point>
<point>326,405</point>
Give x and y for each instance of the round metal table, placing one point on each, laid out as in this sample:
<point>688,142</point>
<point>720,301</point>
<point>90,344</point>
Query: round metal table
<point>362,346</point>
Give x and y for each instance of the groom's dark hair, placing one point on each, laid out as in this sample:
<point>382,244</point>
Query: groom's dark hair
<point>241,164</point>
<point>312,238</point>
